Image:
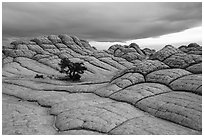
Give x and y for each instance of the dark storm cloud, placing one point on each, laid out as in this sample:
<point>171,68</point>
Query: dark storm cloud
<point>99,21</point>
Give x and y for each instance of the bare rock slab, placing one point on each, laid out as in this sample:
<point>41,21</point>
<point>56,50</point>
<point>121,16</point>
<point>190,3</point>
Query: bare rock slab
<point>179,107</point>
<point>148,125</point>
<point>21,117</point>
<point>190,83</point>
<point>166,76</point>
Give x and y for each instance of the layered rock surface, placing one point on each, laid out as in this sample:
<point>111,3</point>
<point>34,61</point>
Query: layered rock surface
<point>130,53</point>
<point>192,48</point>
<point>116,95</point>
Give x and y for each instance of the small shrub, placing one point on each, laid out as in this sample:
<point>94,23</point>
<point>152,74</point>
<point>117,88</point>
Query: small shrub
<point>72,69</point>
<point>39,76</point>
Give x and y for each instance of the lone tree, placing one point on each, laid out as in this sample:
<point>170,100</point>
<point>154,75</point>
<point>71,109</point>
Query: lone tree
<point>72,69</point>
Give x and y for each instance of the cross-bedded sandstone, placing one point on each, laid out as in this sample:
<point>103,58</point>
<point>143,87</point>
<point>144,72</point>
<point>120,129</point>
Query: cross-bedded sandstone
<point>179,107</point>
<point>118,94</point>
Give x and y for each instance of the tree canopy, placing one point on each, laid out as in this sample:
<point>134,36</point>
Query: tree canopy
<point>72,69</point>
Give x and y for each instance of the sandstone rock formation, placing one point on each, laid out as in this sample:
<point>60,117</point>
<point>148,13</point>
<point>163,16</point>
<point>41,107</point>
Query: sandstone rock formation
<point>148,52</point>
<point>176,58</point>
<point>118,94</point>
<point>192,48</point>
<point>130,53</point>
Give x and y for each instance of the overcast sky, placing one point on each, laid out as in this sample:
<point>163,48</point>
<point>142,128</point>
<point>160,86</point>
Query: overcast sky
<point>105,23</point>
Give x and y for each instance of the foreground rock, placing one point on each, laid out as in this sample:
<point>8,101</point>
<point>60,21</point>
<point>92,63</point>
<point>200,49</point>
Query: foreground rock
<point>25,118</point>
<point>116,95</point>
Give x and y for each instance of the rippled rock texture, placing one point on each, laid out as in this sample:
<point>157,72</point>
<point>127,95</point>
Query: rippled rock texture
<point>192,48</point>
<point>130,53</point>
<point>122,92</point>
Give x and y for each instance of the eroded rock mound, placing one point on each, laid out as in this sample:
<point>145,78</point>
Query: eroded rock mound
<point>192,48</point>
<point>130,53</point>
<point>121,92</point>
<point>148,52</point>
<point>175,58</point>
<point>165,52</point>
